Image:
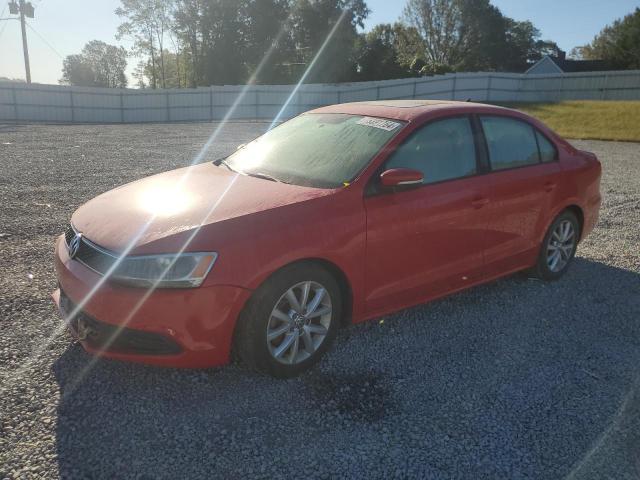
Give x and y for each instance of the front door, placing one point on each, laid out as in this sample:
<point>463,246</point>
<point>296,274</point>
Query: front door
<point>427,241</point>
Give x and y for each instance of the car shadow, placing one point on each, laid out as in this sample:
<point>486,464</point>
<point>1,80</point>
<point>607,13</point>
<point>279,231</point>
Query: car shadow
<point>516,378</point>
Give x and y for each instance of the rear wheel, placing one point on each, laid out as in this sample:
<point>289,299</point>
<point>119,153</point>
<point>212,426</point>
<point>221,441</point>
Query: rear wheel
<point>290,321</point>
<point>558,248</point>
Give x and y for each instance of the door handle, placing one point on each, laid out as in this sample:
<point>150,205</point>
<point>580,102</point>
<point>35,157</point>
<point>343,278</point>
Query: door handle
<point>549,186</point>
<point>479,202</point>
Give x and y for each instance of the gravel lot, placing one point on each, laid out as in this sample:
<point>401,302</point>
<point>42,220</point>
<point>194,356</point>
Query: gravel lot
<point>515,379</point>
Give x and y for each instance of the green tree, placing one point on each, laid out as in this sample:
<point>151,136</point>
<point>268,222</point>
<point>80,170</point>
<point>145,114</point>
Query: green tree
<point>483,42</point>
<point>148,22</point>
<point>98,65</point>
<point>268,43</point>
<point>311,23</point>
<point>472,35</point>
<point>189,31</point>
<point>390,51</point>
<point>214,35</point>
<point>439,22</point>
<point>176,70</point>
<point>224,49</point>
<point>618,43</point>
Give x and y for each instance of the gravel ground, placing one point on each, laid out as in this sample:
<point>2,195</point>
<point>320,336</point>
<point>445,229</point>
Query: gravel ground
<point>515,379</point>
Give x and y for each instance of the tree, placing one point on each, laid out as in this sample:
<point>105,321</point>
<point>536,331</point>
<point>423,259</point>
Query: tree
<point>483,40</point>
<point>471,35</point>
<point>439,22</point>
<point>190,33</point>
<point>175,70</point>
<point>524,46</point>
<point>269,41</point>
<point>214,35</point>
<point>224,49</point>
<point>328,57</point>
<point>148,22</point>
<point>98,65</point>
<point>268,45</point>
<point>389,51</point>
<point>618,43</point>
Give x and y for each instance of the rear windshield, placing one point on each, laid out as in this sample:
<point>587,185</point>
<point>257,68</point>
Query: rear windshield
<point>316,149</point>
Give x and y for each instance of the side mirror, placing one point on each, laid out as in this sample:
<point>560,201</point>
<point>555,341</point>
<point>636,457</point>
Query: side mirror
<point>401,177</point>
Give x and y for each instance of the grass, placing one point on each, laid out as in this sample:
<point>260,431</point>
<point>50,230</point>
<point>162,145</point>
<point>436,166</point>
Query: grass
<point>588,119</point>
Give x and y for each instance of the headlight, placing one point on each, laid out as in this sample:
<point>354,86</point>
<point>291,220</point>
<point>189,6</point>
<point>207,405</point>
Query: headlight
<point>183,270</point>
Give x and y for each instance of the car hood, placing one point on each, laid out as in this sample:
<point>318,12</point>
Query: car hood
<point>169,203</point>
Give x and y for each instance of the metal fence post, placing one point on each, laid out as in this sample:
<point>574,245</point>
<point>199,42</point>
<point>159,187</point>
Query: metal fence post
<point>121,107</point>
<point>453,87</point>
<point>15,102</point>
<point>378,92</point>
<point>73,116</point>
<point>257,100</point>
<point>603,95</point>
<point>519,89</point>
<point>211,103</point>
<point>415,88</point>
<point>166,97</point>
<point>489,87</point>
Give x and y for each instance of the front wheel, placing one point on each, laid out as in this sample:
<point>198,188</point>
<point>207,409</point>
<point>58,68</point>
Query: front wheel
<point>290,321</point>
<point>558,247</point>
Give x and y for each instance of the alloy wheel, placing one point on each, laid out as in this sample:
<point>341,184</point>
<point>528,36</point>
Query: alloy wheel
<point>299,322</point>
<point>560,246</point>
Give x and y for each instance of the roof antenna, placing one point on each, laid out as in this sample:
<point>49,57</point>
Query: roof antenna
<point>468,99</point>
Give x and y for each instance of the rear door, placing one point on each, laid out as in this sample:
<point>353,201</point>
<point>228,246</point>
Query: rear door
<point>428,240</point>
<point>522,183</point>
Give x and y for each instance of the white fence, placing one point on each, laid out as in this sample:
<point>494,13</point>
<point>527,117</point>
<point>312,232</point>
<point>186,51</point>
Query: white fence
<point>52,103</point>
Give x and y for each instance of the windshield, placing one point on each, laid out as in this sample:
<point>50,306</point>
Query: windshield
<point>317,149</point>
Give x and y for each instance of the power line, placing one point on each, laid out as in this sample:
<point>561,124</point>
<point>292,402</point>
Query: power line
<point>4,25</point>
<point>45,41</point>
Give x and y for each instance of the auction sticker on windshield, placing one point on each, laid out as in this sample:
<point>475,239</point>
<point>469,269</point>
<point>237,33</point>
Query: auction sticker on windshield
<point>381,123</point>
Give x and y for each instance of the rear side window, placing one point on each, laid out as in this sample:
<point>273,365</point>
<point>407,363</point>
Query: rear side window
<point>511,143</point>
<point>441,150</point>
<point>547,150</point>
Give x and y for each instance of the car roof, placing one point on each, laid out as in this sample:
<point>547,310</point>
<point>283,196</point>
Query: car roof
<point>408,110</point>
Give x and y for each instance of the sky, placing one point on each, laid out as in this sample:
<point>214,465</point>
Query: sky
<point>62,27</point>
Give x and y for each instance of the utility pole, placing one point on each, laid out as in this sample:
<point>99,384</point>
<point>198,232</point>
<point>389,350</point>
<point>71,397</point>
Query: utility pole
<point>25,47</point>
<point>24,9</point>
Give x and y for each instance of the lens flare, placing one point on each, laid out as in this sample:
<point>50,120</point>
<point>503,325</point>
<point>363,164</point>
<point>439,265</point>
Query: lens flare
<point>165,200</point>
<point>309,68</point>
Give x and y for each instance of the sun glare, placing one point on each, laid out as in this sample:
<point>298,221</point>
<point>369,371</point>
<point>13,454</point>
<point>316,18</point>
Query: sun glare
<point>165,200</point>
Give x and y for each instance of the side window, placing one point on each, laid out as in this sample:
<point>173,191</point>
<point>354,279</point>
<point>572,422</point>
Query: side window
<point>511,143</point>
<point>547,150</point>
<point>441,150</point>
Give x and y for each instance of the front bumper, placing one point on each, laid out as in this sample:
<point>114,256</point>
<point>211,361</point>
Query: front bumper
<point>190,328</point>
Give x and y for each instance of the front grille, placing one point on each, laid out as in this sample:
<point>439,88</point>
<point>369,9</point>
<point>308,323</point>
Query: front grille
<point>69,234</point>
<point>111,338</point>
<point>96,258</point>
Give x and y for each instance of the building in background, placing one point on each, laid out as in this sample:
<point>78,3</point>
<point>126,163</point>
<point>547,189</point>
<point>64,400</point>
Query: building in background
<point>560,64</point>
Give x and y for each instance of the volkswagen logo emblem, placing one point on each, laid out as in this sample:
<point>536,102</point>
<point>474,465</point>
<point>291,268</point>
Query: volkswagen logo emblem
<point>74,245</point>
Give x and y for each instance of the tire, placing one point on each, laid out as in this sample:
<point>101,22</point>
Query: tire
<point>546,267</point>
<point>276,337</point>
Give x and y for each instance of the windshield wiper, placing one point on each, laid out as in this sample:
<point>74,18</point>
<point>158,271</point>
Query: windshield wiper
<point>222,161</point>
<point>264,176</point>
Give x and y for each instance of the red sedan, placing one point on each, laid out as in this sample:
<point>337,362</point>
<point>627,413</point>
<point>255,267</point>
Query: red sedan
<point>340,215</point>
